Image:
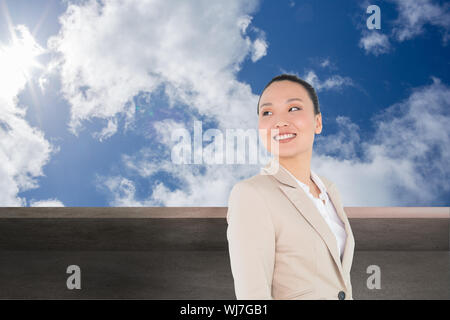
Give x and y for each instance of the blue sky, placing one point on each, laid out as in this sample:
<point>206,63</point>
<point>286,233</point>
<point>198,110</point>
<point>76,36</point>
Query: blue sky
<point>114,81</point>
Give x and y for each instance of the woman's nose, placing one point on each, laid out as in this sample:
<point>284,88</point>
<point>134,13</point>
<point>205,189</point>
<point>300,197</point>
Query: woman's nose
<point>281,124</point>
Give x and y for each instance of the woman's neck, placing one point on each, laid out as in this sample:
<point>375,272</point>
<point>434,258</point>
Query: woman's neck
<point>299,166</point>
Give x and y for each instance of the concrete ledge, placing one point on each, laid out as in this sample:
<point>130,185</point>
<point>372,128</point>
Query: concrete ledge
<point>200,228</point>
<point>204,212</point>
<point>182,253</point>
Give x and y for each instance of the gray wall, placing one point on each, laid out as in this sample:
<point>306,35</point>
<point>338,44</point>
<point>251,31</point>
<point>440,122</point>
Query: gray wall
<point>126,253</point>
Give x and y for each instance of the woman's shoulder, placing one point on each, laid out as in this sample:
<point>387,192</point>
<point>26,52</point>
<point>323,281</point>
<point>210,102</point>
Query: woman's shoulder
<point>256,182</point>
<point>257,186</point>
<point>249,199</point>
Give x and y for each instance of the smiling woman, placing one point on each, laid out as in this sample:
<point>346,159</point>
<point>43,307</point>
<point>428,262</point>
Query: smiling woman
<point>288,235</point>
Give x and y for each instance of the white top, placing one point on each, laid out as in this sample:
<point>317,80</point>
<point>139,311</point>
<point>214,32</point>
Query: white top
<point>327,210</point>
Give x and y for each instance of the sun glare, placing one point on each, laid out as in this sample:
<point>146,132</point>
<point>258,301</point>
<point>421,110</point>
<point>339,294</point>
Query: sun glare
<point>22,51</point>
<point>19,58</point>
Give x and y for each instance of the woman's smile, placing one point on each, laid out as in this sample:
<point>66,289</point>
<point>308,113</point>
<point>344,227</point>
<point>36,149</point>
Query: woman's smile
<point>285,138</point>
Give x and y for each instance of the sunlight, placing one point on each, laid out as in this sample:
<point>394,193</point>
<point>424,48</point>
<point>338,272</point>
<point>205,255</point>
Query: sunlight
<point>18,59</point>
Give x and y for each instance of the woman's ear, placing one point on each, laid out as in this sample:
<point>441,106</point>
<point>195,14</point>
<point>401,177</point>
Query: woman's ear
<point>318,119</point>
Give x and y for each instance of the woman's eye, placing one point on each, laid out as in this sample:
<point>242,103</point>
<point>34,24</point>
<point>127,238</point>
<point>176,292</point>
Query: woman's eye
<point>296,107</point>
<point>264,113</point>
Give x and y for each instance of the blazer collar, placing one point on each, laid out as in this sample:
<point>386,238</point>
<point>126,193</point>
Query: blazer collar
<point>308,209</point>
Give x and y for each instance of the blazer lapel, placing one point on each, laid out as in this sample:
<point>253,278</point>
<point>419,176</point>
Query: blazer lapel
<point>347,256</point>
<point>308,209</point>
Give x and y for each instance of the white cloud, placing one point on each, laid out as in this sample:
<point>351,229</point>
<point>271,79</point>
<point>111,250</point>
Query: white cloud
<point>405,163</point>
<point>325,63</point>
<point>46,203</point>
<point>259,45</point>
<point>259,49</point>
<point>333,82</point>
<point>208,189</point>
<point>122,190</point>
<point>196,185</point>
<point>146,162</point>
<point>108,131</point>
<point>197,189</point>
<point>42,83</point>
<point>375,42</point>
<point>108,54</point>
<point>164,130</point>
<point>344,143</point>
<point>414,15</point>
<point>24,151</point>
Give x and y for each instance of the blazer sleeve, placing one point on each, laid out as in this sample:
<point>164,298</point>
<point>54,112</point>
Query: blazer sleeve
<point>251,243</point>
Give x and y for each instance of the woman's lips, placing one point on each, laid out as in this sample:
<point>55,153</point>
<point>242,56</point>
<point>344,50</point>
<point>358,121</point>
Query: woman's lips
<point>285,140</point>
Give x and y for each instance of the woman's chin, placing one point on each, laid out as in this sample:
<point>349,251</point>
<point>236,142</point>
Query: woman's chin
<point>287,150</point>
<point>286,153</point>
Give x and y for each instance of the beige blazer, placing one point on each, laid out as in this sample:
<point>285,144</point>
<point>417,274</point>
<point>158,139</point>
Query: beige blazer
<point>280,247</point>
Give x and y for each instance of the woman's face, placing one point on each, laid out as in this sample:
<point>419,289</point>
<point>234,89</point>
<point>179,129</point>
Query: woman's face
<point>285,105</point>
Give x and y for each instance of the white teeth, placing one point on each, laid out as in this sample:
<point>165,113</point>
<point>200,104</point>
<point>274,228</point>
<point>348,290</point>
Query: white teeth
<point>285,136</point>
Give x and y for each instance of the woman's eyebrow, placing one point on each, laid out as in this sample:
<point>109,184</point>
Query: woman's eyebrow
<point>287,101</point>
<point>293,99</point>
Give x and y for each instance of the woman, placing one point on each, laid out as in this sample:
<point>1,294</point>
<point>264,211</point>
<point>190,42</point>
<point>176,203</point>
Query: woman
<point>288,234</point>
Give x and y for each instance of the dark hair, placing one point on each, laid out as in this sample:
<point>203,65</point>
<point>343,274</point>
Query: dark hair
<point>311,92</point>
